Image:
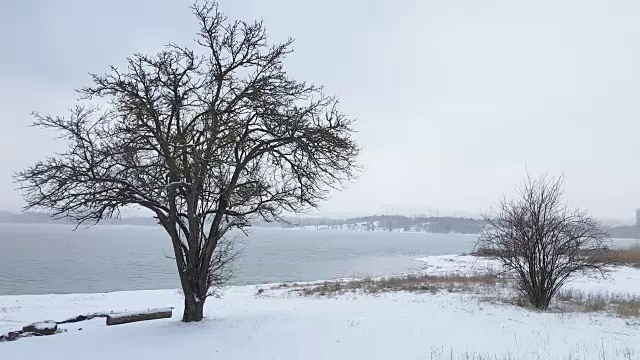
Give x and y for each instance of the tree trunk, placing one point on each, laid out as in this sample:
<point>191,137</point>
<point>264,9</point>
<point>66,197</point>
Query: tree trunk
<point>195,295</point>
<point>193,310</point>
<point>546,300</point>
<point>194,292</point>
<point>539,298</point>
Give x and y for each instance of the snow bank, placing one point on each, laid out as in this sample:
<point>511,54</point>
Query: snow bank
<point>458,264</point>
<point>619,280</point>
<point>280,325</point>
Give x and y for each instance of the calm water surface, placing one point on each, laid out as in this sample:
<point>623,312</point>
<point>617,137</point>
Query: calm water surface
<point>43,259</point>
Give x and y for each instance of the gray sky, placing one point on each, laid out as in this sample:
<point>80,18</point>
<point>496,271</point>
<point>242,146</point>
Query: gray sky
<point>455,99</point>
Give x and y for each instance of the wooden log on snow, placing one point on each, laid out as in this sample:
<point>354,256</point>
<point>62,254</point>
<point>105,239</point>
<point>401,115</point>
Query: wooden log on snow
<point>133,316</point>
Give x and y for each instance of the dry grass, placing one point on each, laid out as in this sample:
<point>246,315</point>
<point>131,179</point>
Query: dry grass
<point>490,286</point>
<point>579,353</point>
<point>595,305</point>
<point>572,300</point>
<point>629,257</point>
<point>628,308</point>
<point>622,305</point>
<point>412,283</point>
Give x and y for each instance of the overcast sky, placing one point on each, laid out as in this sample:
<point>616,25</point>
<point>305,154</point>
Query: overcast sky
<point>454,99</point>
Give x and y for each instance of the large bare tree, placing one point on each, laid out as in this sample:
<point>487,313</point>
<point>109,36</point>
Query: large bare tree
<point>204,138</point>
<point>542,241</point>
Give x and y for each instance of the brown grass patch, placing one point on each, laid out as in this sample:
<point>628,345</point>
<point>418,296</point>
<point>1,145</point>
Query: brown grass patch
<point>595,305</point>
<point>628,309</point>
<point>412,283</point>
<point>623,305</point>
<point>630,256</point>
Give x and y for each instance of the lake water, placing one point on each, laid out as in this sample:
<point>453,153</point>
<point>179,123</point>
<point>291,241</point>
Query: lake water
<point>43,259</point>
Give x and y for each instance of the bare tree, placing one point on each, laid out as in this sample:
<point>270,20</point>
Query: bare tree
<point>543,242</point>
<point>205,139</point>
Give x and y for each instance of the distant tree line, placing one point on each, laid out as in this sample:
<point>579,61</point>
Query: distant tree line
<point>392,223</point>
<point>387,222</point>
<point>423,224</point>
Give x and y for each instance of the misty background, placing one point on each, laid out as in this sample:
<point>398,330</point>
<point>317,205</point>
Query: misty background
<point>455,100</point>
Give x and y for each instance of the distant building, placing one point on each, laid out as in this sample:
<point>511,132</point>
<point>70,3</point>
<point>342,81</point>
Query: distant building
<point>637,217</point>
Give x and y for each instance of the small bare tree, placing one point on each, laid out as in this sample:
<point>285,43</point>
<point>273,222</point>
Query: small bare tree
<point>204,139</point>
<point>543,242</point>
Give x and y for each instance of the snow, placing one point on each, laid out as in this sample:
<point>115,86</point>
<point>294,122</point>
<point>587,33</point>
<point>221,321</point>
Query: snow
<point>465,264</point>
<point>618,280</point>
<point>277,324</point>
<point>143,312</point>
<point>622,280</point>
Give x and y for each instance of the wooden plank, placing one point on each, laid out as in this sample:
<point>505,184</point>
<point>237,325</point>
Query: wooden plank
<point>133,316</point>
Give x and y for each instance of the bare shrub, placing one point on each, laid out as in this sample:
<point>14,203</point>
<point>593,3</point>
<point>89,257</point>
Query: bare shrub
<point>485,252</point>
<point>541,241</point>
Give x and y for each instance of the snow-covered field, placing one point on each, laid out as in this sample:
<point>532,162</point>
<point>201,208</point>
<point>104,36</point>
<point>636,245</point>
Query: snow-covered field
<point>277,324</point>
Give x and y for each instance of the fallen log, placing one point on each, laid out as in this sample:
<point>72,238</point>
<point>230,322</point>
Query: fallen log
<point>133,316</point>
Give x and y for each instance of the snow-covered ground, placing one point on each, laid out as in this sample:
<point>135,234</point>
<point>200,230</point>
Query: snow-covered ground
<point>619,280</point>
<point>277,324</point>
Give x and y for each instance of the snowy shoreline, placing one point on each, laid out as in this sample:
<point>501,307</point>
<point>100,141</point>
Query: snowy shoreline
<point>278,324</point>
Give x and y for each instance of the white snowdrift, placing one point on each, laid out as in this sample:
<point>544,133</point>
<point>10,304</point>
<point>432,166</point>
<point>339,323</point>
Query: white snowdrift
<point>619,280</point>
<point>280,325</point>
